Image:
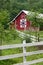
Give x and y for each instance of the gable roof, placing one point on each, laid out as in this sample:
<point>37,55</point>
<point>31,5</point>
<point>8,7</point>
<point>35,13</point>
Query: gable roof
<point>32,13</point>
<point>28,13</point>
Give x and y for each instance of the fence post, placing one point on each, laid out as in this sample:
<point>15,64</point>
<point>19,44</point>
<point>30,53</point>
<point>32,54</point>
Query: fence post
<point>24,52</point>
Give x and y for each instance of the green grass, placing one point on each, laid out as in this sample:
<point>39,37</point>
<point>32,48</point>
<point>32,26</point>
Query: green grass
<point>12,51</point>
<point>36,34</point>
<point>40,63</point>
<point>18,60</point>
<point>29,49</point>
<point>34,57</point>
<point>11,61</point>
<point>41,34</point>
<point>20,50</point>
<point>16,41</point>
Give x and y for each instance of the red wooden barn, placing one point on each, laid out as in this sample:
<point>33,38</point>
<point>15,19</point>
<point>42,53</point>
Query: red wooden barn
<point>20,22</point>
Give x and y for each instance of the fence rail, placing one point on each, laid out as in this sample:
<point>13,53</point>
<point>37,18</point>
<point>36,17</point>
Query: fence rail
<point>31,62</point>
<point>23,35</point>
<point>20,55</point>
<point>20,45</point>
<point>24,54</point>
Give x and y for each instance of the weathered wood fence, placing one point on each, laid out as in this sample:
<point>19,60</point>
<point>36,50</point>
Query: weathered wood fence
<point>24,54</point>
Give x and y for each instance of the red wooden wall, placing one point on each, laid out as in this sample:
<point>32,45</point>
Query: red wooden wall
<point>17,22</point>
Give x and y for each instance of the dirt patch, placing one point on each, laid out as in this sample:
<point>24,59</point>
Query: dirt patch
<point>40,47</point>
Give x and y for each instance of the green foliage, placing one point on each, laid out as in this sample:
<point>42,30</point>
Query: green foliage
<point>9,35</point>
<point>8,10</point>
<point>14,6</point>
<point>4,17</point>
<point>35,20</point>
<point>28,39</point>
<point>11,61</point>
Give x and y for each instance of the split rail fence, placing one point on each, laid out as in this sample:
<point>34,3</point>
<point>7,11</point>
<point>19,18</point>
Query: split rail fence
<point>24,54</point>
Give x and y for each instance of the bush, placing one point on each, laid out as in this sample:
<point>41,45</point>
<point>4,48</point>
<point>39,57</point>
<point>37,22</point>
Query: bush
<point>28,40</point>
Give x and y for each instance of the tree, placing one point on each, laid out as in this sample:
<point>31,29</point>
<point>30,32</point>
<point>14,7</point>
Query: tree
<point>4,17</point>
<point>33,17</point>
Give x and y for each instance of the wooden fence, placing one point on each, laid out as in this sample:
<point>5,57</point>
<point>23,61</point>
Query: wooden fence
<point>24,54</point>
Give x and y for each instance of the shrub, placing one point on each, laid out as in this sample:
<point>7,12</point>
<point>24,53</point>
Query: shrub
<point>28,40</point>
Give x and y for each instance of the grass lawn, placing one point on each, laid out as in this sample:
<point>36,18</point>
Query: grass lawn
<point>19,60</point>
<point>34,57</point>
<point>20,50</point>
<point>41,34</point>
<point>11,61</point>
<point>16,41</point>
<point>41,63</point>
<point>35,34</point>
